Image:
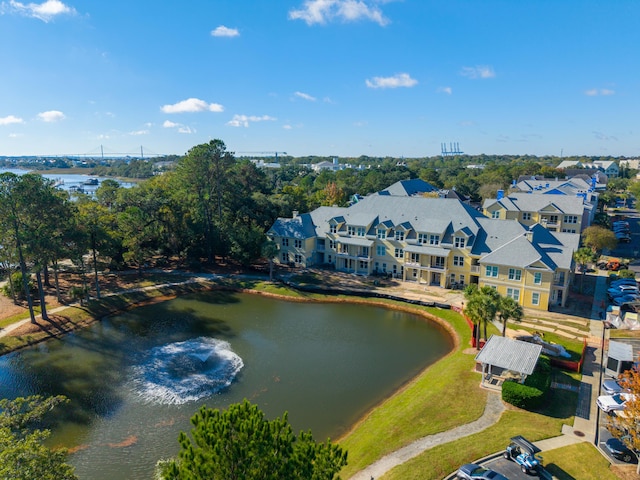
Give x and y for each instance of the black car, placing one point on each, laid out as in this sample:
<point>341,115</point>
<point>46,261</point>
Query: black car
<point>472,471</point>
<point>618,449</point>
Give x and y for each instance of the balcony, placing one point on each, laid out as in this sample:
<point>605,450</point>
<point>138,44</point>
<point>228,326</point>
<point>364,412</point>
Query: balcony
<point>475,269</point>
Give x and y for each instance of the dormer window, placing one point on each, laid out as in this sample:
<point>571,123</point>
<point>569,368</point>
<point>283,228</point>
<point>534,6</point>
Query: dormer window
<point>333,229</point>
<point>351,230</point>
<point>400,235</point>
<point>382,233</point>
<point>360,231</point>
<point>495,214</point>
<point>434,239</point>
<point>459,242</point>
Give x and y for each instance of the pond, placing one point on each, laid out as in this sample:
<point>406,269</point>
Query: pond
<point>135,380</point>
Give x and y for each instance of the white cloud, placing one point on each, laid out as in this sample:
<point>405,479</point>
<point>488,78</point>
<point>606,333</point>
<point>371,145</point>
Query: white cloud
<point>447,90</point>
<point>594,92</point>
<point>178,126</point>
<point>51,116</point>
<point>43,11</point>
<point>287,127</point>
<point>479,71</point>
<point>191,105</point>
<point>305,96</point>
<point>244,120</point>
<point>139,132</point>
<point>10,120</point>
<point>324,11</point>
<point>399,80</point>
<point>223,31</point>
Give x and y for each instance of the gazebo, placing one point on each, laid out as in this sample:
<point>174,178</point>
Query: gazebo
<point>504,358</point>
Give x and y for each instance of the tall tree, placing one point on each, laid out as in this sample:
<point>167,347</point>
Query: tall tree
<point>202,180</point>
<point>13,213</point>
<point>240,444</point>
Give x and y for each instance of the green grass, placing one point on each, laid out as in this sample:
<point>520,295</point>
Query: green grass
<point>442,460</point>
<point>578,461</point>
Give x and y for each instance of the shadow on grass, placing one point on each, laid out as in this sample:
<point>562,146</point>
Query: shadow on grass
<point>558,473</point>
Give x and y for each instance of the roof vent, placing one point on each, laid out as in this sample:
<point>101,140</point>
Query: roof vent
<point>295,214</point>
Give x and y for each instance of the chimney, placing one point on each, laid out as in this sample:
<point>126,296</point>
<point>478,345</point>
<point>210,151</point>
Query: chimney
<point>500,195</point>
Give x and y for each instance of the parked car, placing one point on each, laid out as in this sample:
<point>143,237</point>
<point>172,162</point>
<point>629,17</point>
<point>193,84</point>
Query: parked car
<point>623,289</point>
<point>621,300</point>
<point>612,386</point>
<point>523,452</point>
<point>473,471</point>
<point>611,403</point>
<point>620,450</point>
<point>623,281</point>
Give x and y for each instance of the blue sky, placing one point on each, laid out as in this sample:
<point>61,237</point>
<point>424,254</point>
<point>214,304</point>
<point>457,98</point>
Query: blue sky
<point>321,77</point>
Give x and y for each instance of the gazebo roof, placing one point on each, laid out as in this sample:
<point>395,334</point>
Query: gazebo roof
<point>510,354</point>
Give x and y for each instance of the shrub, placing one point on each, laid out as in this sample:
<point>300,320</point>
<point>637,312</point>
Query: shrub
<point>529,395</point>
<point>16,279</point>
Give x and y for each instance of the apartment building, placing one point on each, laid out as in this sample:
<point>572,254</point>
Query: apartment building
<point>433,241</point>
<point>556,212</point>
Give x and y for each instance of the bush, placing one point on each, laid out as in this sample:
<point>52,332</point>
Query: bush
<point>16,279</point>
<point>529,395</point>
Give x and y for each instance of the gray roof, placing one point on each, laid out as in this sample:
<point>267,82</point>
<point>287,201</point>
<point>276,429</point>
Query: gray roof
<point>620,351</point>
<point>301,227</point>
<point>361,242</point>
<point>510,354</point>
<point>440,252</point>
<point>409,188</point>
<point>526,202</point>
<point>569,186</point>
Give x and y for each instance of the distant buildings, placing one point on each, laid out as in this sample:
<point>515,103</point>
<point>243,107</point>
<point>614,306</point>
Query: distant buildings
<point>610,168</point>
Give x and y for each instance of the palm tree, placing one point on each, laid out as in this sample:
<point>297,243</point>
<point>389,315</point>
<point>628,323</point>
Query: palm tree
<point>509,309</point>
<point>583,256</point>
<point>482,306</point>
<point>270,251</point>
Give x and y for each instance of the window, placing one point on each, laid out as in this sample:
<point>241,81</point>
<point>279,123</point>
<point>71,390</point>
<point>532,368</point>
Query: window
<point>491,271</point>
<point>362,265</point>
<point>382,233</point>
<point>570,219</point>
<point>285,242</point>
<point>398,253</point>
<point>515,274</point>
<point>458,261</point>
<point>384,268</point>
<point>513,293</point>
<point>381,250</point>
<point>297,258</point>
<point>364,251</point>
<point>459,242</point>
<point>437,262</point>
<point>495,214</point>
<point>351,230</point>
<point>415,258</point>
<point>434,239</point>
<point>329,259</point>
<point>399,235</point>
<point>332,244</point>
<point>461,279</point>
<point>297,243</point>
<point>537,278</point>
<point>526,216</point>
<point>333,228</point>
<point>360,231</point>
<point>285,257</point>
<point>569,230</point>
<point>535,298</point>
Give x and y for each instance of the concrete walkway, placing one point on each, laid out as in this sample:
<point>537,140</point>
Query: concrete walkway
<point>491,415</point>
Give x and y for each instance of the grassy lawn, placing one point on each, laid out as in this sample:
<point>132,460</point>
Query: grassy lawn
<point>581,460</point>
